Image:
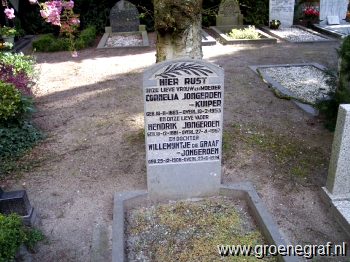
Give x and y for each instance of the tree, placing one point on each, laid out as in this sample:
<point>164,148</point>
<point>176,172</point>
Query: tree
<point>178,24</point>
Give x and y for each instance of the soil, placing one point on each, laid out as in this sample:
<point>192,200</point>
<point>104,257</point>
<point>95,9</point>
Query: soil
<point>91,110</point>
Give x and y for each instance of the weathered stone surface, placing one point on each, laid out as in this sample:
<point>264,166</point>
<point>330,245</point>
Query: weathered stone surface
<point>15,202</point>
<point>183,127</point>
<point>229,13</point>
<point>282,10</point>
<point>333,8</point>
<point>124,17</point>
<point>338,179</point>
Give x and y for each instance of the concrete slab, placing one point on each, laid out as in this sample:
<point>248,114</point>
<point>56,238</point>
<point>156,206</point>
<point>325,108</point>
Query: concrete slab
<point>274,34</point>
<point>207,39</point>
<point>308,108</point>
<point>221,31</point>
<point>244,190</point>
<point>100,243</point>
<point>335,30</point>
<point>339,206</point>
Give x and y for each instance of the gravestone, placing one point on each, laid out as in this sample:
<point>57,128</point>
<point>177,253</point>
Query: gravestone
<point>282,10</point>
<point>338,179</point>
<point>183,104</point>
<point>333,10</point>
<point>17,202</point>
<point>124,17</point>
<point>229,13</point>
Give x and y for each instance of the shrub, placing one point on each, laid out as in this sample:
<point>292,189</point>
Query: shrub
<point>247,33</point>
<point>10,99</point>
<point>20,79</point>
<point>50,43</point>
<point>339,89</point>
<point>12,235</point>
<point>19,62</point>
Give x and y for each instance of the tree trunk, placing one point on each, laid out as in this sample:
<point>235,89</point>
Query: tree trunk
<point>178,24</point>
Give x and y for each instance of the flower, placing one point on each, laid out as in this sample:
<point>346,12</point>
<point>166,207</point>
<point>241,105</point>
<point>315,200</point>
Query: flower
<point>74,54</point>
<point>10,13</point>
<point>311,13</point>
<point>8,31</point>
<point>275,22</point>
<point>32,1</point>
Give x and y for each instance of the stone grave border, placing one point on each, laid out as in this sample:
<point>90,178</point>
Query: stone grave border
<point>308,108</point>
<point>207,39</point>
<point>271,32</point>
<point>329,29</point>
<point>143,33</point>
<point>219,31</point>
<point>124,200</point>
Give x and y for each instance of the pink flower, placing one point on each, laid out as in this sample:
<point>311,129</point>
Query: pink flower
<point>75,21</point>
<point>74,54</point>
<point>69,4</point>
<point>32,1</point>
<point>9,12</point>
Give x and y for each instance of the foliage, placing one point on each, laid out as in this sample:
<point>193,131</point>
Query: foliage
<point>20,80</point>
<point>8,31</point>
<point>246,33</point>
<point>339,87</point>
<point>33,236</point>
<point>32,23</point>
<point>19,62</point>
<point>10,98</point>
<point>50,43</point>
<point>94,13</point>
<point>256,12</point>
<point>12,235</point>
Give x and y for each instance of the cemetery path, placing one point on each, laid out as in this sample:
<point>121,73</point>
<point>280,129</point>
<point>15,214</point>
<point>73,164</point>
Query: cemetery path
<point>91,109</point>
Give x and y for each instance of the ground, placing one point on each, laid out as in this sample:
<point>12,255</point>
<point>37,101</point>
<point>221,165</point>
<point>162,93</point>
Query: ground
<point>91,110</point>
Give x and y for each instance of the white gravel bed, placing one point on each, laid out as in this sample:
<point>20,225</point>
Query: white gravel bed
<point>124,40</point>
<point>306,82</point>
<point>297,34</point>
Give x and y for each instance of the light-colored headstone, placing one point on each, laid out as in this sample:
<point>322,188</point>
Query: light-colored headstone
<point>229,13</point>
<point>282,10</point>
<point>124,17</point>
<point>183,104</point>
<point>338,179</point>
<point>333,8</point>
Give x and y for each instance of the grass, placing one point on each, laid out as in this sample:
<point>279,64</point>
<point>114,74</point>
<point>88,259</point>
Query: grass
<point>190,231</point>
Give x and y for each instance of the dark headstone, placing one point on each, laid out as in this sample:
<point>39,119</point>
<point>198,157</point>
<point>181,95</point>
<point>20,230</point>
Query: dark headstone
<point>17,202</point>
<point>124,17</point>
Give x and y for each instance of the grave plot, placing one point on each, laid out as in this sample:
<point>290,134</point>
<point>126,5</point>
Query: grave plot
<point>223,31</point>
<point>125,29</point>
<point>303,81</point>
<point>297,34</point>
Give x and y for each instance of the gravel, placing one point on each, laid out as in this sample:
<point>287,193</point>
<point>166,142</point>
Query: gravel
<point>297,34</point>
<point>306,82</point>
<point>124,40</point>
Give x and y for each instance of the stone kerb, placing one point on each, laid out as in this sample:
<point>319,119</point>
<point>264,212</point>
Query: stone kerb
<point>183,105</point>
<point>283,11</point>
<point>333,8</point>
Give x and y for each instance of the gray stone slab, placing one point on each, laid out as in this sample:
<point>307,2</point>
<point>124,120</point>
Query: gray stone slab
<point>339,207</point>
<point>334,30</point>
<point>145,41</point>
<point>338,179</point>
<point>283,11</point>
<point>274,34</point>
<point>229,13</point>
<point>333,8</point>
<point>128,199</point>
<point>308,108</point>
<point>183,105</point>
<point>207,39</point>
<point>124,17</point>
<point>100,243</point>
<point>220,32</point>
